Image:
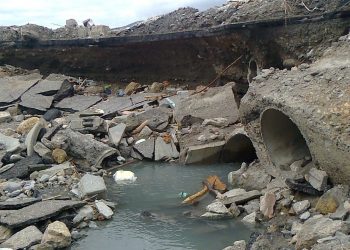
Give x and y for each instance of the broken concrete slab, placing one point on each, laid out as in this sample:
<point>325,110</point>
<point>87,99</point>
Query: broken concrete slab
<point>165,150</point>
<point>89,124</point>
<point>239,196</point>
<point>208,153</point>
<point>5,116</point>
<point>5,233</point>
<point>158,118</point>
<point>83,146</point>
<point>12,88</point>
<point>77,103</point>
<point>217,207</point>
<point>42,150</point>
<point>317,178</point>
<point>36,102</point>
<point>24,239</point>
<point>116,133</point>
<point>103,209</point>
<point>21,168</point>
<point>219,100</point>
<point>32,136</point>
<point>16,204</point>
<point>62,169</point>
<point>38,212</point>
<point>11,144</point>
<point>146,148</point>
<point>90,185</point>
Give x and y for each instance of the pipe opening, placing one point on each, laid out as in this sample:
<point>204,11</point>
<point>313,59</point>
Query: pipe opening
<point>283,139</point>
<point>239,148</point>
<point>252,70</point>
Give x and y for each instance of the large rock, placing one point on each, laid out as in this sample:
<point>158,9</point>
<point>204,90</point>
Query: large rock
<point>217,207</point>
<point>25,126</point>
<point>207,153</point>
<point>103,209</point>
<point>57,235</point>
<point>158,118</point>
<point>145,148</point>
<point>116,133</point>
<point>165,150</point>
<point>239,196</point>
<point>214,102</point>
<point>90,185</point>
<point>330,201</point>
<point>317,178</point>
<point>131,87</point>
<point>338,242</point>
<point>24,239</point>
<point>318,227</point>
<point>37,212</point>
<point>301,206</point>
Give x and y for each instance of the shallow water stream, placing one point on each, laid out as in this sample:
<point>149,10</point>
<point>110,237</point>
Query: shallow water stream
<point>156,190</point>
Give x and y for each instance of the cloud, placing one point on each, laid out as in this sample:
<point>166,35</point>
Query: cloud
<point>110,12</point>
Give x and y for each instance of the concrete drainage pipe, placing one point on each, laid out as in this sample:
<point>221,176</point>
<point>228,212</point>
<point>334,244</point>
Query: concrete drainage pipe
<point>282,138</point>
<point>239,148</point>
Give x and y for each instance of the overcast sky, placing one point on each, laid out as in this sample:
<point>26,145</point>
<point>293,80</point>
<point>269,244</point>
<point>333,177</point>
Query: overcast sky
<point>114,13</point>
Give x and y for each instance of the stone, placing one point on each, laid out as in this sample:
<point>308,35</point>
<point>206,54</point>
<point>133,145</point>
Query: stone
<point>218,100</point>
<point>156,87</point>
<point>165,150</point>
<point>301,206</point>
<point>208,153</point>
<point>66,90</point>
<point>215,216</point>
<point>11,144</point>
<point>317,178</point>
<point>5,116</point>
<point>25,126</point>
<point>18,203</point>
<point>77,103</point>
<point>24,239</point>
<point>234,210</point>
<point>217,207</point>
<point>296,227</point>
<point>52,114</point>
<point>11,186</point>
<point>18,118</point>
<point>59,155</point>
<point>267,203</point>
<point>339,241</point>
<point>136,155</point>
<point>90,185</point>
<point>37,212</point>
<point>304,216</point>
<point>103,209</point>
<point>237,245</point>
<point>252,206</point>
<point>318,227</point>
<point>84,213</point>
<point>239,196</point>
<point>340,214</point>
<point>132,87</point>
<point>42,150</point>
<point>32,136</point>
<point>5,233</point>
<point>330,201</point>
<point>146,148</point>
<point>44,178</point>
<point>250,218</point>
<point>216,122</point>
<point>145,133</point>
<point>12,88</point>
<point>57,235</point>
<point>116,133</point>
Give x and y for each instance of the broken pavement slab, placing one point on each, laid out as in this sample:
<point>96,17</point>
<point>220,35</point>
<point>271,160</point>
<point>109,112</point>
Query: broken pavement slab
<point>146,148</point>
<point>38,212</point>
<point>116,133</point>
<point>77,103</point>
<point>12,88</point>
<point>11,144</point>
<point>239,196</point>
<point>208,153</point>
<point>21,168</point>
<point>165,150</point>
<point>216,101</point>
<point>90,185</point>
<point>16,204</point>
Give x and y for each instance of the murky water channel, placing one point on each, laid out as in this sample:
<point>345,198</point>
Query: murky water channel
<point>156,190</point>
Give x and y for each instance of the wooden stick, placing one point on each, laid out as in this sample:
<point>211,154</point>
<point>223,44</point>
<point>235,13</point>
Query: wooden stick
<point>191,199</point>
<point>218,76</point>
